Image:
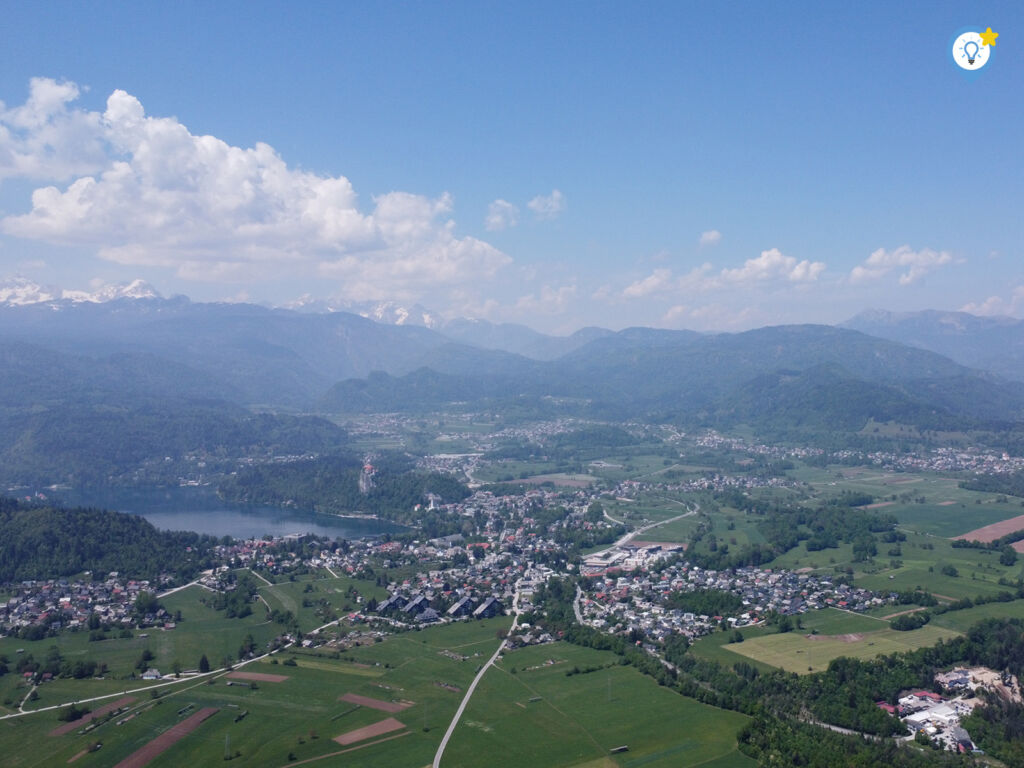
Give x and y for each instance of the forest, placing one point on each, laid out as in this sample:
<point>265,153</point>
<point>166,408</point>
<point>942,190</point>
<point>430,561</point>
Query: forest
<point>331,485</point>
<point>41,542</point>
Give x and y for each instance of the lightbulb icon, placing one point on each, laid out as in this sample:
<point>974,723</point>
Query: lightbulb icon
<point>971,50</point>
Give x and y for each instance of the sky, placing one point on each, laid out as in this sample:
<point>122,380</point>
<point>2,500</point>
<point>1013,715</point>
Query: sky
<point>678,164</point>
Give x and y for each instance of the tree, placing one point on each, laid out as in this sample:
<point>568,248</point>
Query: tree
<point>1008,555</point>
<point>146,603</point>
<point>204,663</point>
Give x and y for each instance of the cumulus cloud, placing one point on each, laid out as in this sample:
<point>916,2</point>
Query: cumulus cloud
<point>773,264</point>
<point>656,282</point>
<point>43,139</point>
<point>163,196</point>
<point>675,315</point>
<point>501,214</point>
<point>547,206</point>
<point>913,264</point>
<point>997,305</point>
<point>711,237</point>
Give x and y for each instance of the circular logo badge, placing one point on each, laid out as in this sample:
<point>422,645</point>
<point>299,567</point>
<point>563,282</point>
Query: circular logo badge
<point>970,51</point>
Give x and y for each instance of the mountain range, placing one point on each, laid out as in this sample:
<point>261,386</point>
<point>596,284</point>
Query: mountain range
<point>126,344</point>
<point>990,343</point>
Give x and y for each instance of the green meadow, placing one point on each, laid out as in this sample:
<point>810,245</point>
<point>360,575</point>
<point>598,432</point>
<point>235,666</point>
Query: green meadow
<point>528,711</point>
<point>802,653</point>
<point>570,720</point>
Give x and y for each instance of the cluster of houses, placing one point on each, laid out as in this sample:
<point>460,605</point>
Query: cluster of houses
<point>58,604</point>
<point>420,608</point>
<point>479,591</point>
<point>622,602</point>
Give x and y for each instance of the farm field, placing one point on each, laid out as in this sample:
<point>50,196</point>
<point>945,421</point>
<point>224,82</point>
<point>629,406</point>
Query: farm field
<point>293,596</point>
<point>716,647</point>
<point>202,631</point>
<point>947,509</point>
<point>925,562</point>
<point>576,720</point>
<point>801,653</point>
<point>829,621</point>
<point>919,565</point>
<point>300,715</point>
<point>319,705</point>
<point>961,621</point>
<point>832,621</point>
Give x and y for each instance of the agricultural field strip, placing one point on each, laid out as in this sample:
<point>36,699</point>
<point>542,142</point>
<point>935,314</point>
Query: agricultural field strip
<point>476,681</point>
<point>549,703</point>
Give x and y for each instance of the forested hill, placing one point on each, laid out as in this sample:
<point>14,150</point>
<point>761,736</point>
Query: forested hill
<point>808,376</point>
<point>331,485</point>
<point>48,542</point>
<point>130,442</point>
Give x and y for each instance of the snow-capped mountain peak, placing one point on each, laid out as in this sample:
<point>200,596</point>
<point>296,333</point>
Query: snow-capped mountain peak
<point>384,312</point>
<point>18,291</point>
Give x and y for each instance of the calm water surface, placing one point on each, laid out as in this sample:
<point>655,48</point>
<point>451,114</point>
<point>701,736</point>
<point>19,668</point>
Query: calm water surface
<point>200,510</point>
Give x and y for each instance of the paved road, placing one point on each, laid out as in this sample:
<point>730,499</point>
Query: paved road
<point>643,529</point>
<point>199,679</point>
<point>476,680</point>
<point>186,586</point>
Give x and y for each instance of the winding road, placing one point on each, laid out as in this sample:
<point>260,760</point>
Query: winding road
<point>643,529</point>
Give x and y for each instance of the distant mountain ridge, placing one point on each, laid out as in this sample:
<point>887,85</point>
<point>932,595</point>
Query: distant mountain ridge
<point>817,377</point>
<point>990,343</point>
<point>127,344</point>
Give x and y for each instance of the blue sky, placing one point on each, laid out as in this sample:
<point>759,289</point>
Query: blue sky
<point>697,165</point>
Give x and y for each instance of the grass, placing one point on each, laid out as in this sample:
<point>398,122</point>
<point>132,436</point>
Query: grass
<point>832,621</point>
<point>800,653</point>
<point>576,720</point>
<point>935,515</point>
<point>716,647</point>
<point>829,621</point>
<point>283,716</point>
<point>202,631</point>
<point>961,621</point>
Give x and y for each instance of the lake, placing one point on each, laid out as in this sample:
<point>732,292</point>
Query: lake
<point>200,510</point>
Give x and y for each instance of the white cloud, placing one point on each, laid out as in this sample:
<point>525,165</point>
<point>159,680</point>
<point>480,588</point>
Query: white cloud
<point>211,211</point>
<point>501,214</point>
<point>42,139</point>
<point>915,263</point>
<point>547,207</point>
<point>711,237</point>
<point>997,305</point>
<point>773,264</point>
<point>675,315</point>
<point>657,281</point>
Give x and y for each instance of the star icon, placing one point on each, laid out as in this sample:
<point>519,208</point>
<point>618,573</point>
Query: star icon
<point>988,37</point>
